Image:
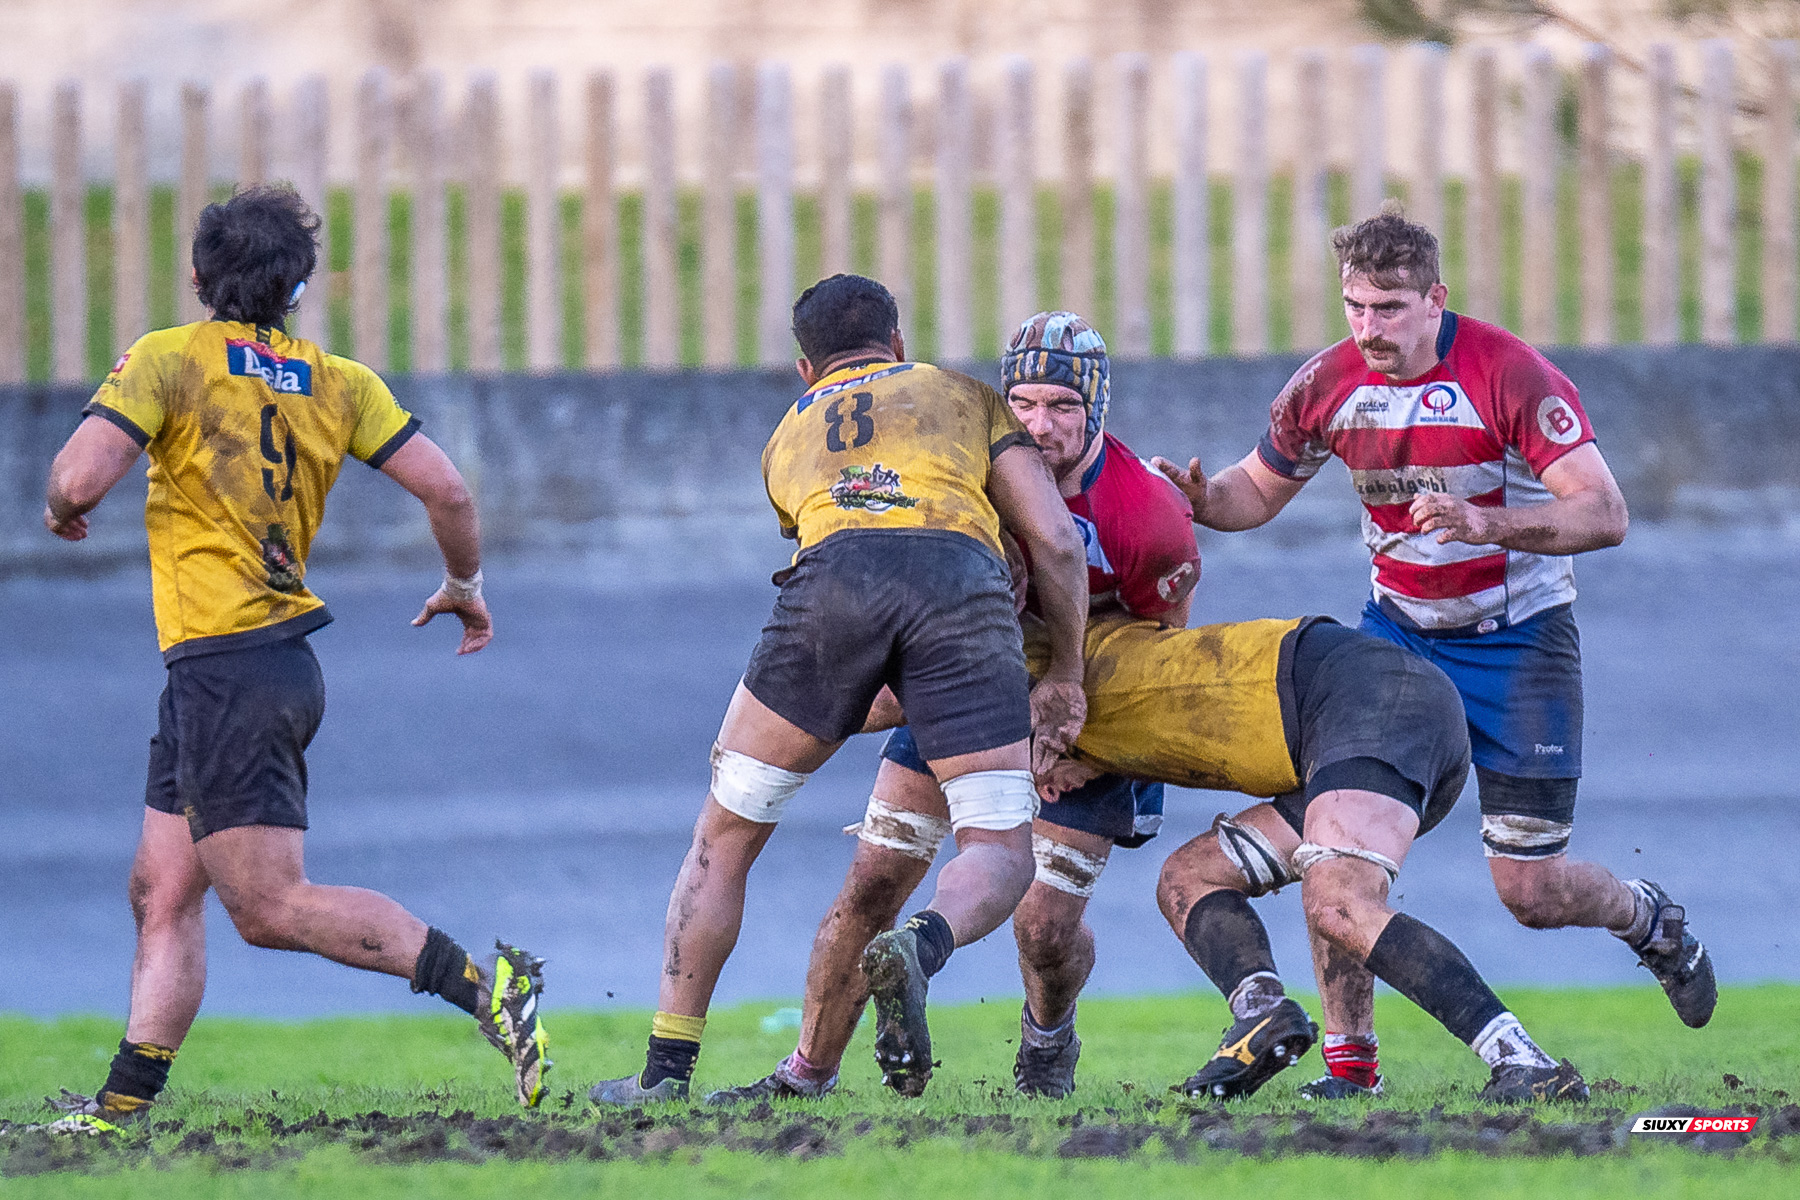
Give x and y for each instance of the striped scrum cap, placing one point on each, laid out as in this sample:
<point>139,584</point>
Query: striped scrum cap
<point>1061,348</point>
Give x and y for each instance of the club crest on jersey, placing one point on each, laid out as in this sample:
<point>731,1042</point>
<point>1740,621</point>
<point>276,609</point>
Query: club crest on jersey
<point>873,489</point>
<point>1438,399</point>
<point>289,376</point>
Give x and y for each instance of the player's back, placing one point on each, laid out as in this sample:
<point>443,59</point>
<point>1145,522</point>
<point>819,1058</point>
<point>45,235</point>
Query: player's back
<point>246,429</point>
<point>890,446</point>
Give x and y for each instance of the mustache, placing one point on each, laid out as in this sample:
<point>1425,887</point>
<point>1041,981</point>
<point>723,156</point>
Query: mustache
<point>1378,346</point>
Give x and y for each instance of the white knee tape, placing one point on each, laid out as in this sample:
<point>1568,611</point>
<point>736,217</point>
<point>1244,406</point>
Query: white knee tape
<point>914,834</point>
<point>992,799</point>
<point>1065,868</point>
<point>1309,855</point>
<point>753,790</point>
<point>1508,835</point>
<point>1254,855</point>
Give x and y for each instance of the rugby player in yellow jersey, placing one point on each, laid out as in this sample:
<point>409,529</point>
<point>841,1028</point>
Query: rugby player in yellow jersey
<point>894,478</point>
<point>246,428</point>
<point>1358,746</point>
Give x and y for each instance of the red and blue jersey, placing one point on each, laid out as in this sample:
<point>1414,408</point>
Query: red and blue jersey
<point>1482,425</point>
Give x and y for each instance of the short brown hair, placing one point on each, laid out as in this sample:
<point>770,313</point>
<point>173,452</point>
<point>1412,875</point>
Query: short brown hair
<point>1389,250</point>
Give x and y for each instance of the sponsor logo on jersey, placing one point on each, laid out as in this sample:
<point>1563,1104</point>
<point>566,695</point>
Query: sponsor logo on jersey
<point>120,365</point>
<point>1645,1123</point>
<point>1090,537</point>
<point>1557,421</point>
<point>280,561</point>
<point>1438,399</point>
<point>857,380</point>
<point>1385,406</point>
<point>289,376</point>
<point>1176,583</point>
<point>873,489</point>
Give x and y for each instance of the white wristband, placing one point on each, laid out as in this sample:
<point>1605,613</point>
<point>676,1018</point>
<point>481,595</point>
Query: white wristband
<point>463,590</point>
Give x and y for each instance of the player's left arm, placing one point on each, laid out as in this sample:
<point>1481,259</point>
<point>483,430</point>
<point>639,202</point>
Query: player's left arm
<point>423,469</point>
<point>1588,512</point>
<point>95,457</point>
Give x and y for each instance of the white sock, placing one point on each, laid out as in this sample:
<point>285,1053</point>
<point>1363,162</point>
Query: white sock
<point>1255,995</point>
<point>1643,911</point>
<point>1037,1036</point>
<point>1503,1042</point>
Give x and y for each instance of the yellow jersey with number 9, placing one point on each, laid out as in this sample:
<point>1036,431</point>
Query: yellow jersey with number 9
<point>890,445</point>
<point>246,429</point>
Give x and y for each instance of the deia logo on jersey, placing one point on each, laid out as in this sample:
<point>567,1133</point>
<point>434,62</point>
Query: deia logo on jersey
<point>1438,399</point>
<point>289,376</point>
<point>872,489</point>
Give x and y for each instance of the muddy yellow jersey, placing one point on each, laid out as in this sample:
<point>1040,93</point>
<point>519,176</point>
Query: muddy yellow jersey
<point>246,429</point>
<point>1191,707</point>
<point>890,446</point>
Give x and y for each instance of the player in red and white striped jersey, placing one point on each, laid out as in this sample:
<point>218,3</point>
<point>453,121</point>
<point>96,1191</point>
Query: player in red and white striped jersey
<point>1479,477</point>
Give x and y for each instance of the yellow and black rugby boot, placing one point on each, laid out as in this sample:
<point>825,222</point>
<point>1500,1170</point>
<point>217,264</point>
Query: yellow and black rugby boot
<point>1521,1083</point>
<point>507,1010</point>
<point>1676,957</point>
<point>897,985</point>
<point>1252,1051</point>
<point>109,1112</point>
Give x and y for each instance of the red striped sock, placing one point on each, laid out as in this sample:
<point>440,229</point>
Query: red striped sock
<point>1349,1057</point>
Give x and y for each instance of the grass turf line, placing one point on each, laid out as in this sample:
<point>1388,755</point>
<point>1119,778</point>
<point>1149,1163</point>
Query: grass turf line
<point>1133,1049</point>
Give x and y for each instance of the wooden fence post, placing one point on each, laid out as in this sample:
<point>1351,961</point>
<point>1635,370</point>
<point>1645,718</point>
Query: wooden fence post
<point>68,238</point>
<point>955,213</point>
<point>192,196</point>
<point>1018,198</point>
<point>718,218</point>
<point>12,243</point>
<point>1310,220</point>
<point>310,148</point>
<point>775,213</point>
<point>1482,213</point>
<point>1193,207</point>
<point>1426,201</point>
<point>1718,195</point>
<point>543,227</point>
<point>1662,237</point>
<point>1778,283</point>
<point>481,221</point>
<point>1368,170</point>
<point>1131,208</point>
<point>1250,209</point>
<point>430,235</point>
<point>131,218</point>
<point>837,117</point>
<point>253,133</point>
<point>1594,115</point>
<point>1539,159</point>
<point>1076,293</point>
<point>369,236</point>
<point>896,201</point>
<point>662,316</point>
<point>600,228</point>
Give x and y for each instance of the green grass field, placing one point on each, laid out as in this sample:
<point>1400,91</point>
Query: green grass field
<point>420,1106</point>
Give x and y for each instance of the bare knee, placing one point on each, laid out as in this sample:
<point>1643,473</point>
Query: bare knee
<point>878,883</point>
<point>1189,874</point>
<point>262,919</point>
<point>158,900</point>
<point>1535,893</point>
<point>1047,940</point>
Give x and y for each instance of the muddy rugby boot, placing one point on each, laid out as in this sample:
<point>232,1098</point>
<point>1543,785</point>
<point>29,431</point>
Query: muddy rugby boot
<point>506,1009</point>
<point>1047,1071</point>
<point>1522,1084</point>
<point>1336,1087</point>
<point>1676,957</point>
<point>630,1093</point>
<point>897,985</point>
<point>89,1115</point>
<point>779,1084</point>
<point>1252,1050</point>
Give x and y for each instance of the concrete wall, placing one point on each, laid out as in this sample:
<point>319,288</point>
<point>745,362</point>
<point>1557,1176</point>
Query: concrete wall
<point>660,470</point>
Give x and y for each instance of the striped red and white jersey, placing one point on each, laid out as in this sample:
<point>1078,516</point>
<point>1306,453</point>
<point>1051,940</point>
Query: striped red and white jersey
<point>1482,425</point>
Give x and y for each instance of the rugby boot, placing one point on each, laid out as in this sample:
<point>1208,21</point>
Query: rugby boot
<point>1336,1087</point>
<point>1047,1071</point>
<point>107,1113</point>
<point>779,1084</point>
<point>630,1093</point>
<point>1518,1083</point>
<point>1253,1049</point>
<point>1676,957</point>
<point>506,1009</point>
<point>897,984</point>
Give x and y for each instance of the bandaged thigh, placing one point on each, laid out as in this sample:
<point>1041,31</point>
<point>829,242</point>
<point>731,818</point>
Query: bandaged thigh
<point>914,834</point>
<point>1065,868</point>
<point>991,800</point>
<point>1510,835</point>
<point>1256,858</point>
<point>751,789</point>
<point>1310,854</point>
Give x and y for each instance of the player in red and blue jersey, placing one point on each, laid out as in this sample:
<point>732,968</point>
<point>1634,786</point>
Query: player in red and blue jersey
<point>1480,477</point>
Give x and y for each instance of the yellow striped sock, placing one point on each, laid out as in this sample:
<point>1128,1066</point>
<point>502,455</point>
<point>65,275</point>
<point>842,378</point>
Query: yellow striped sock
<point>677,1026</point>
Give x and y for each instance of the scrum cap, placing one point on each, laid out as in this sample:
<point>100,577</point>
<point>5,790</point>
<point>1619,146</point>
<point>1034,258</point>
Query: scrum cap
<point>1061,348</point>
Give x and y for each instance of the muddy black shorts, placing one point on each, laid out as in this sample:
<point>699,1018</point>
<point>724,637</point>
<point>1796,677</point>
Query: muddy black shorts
<point>926,612</point>
<point>1366,714</point>
<point>231,735</point>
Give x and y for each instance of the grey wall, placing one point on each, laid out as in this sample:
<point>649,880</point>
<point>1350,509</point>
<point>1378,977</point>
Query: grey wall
<point>666,463</point>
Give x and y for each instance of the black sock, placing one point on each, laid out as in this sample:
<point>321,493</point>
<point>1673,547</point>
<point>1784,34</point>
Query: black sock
<point>669,1058</point>
<point>1227,939</point>
<point>1426,967</point>
<point>935,939</point>
<point>445,969</point>
<point>140,1071</point>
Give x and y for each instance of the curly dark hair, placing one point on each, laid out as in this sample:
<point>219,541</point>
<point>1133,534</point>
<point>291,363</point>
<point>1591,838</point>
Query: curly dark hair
<point>1390,251</point>
<point>252,251</point>
<point>844,312</point>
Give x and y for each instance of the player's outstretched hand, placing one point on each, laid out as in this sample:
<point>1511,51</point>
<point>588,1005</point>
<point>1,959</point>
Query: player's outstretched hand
<point>478,626</point>
<point>71,530</point>
<point>1058,710</point>
<point>1191,479</point>
<point>1454,520</point>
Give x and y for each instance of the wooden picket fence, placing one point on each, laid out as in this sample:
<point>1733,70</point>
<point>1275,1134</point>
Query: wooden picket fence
<point>409,138</point>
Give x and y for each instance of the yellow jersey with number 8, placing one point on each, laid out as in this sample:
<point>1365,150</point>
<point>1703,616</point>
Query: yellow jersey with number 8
<point>246,429</point>
<point>890,446</point>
